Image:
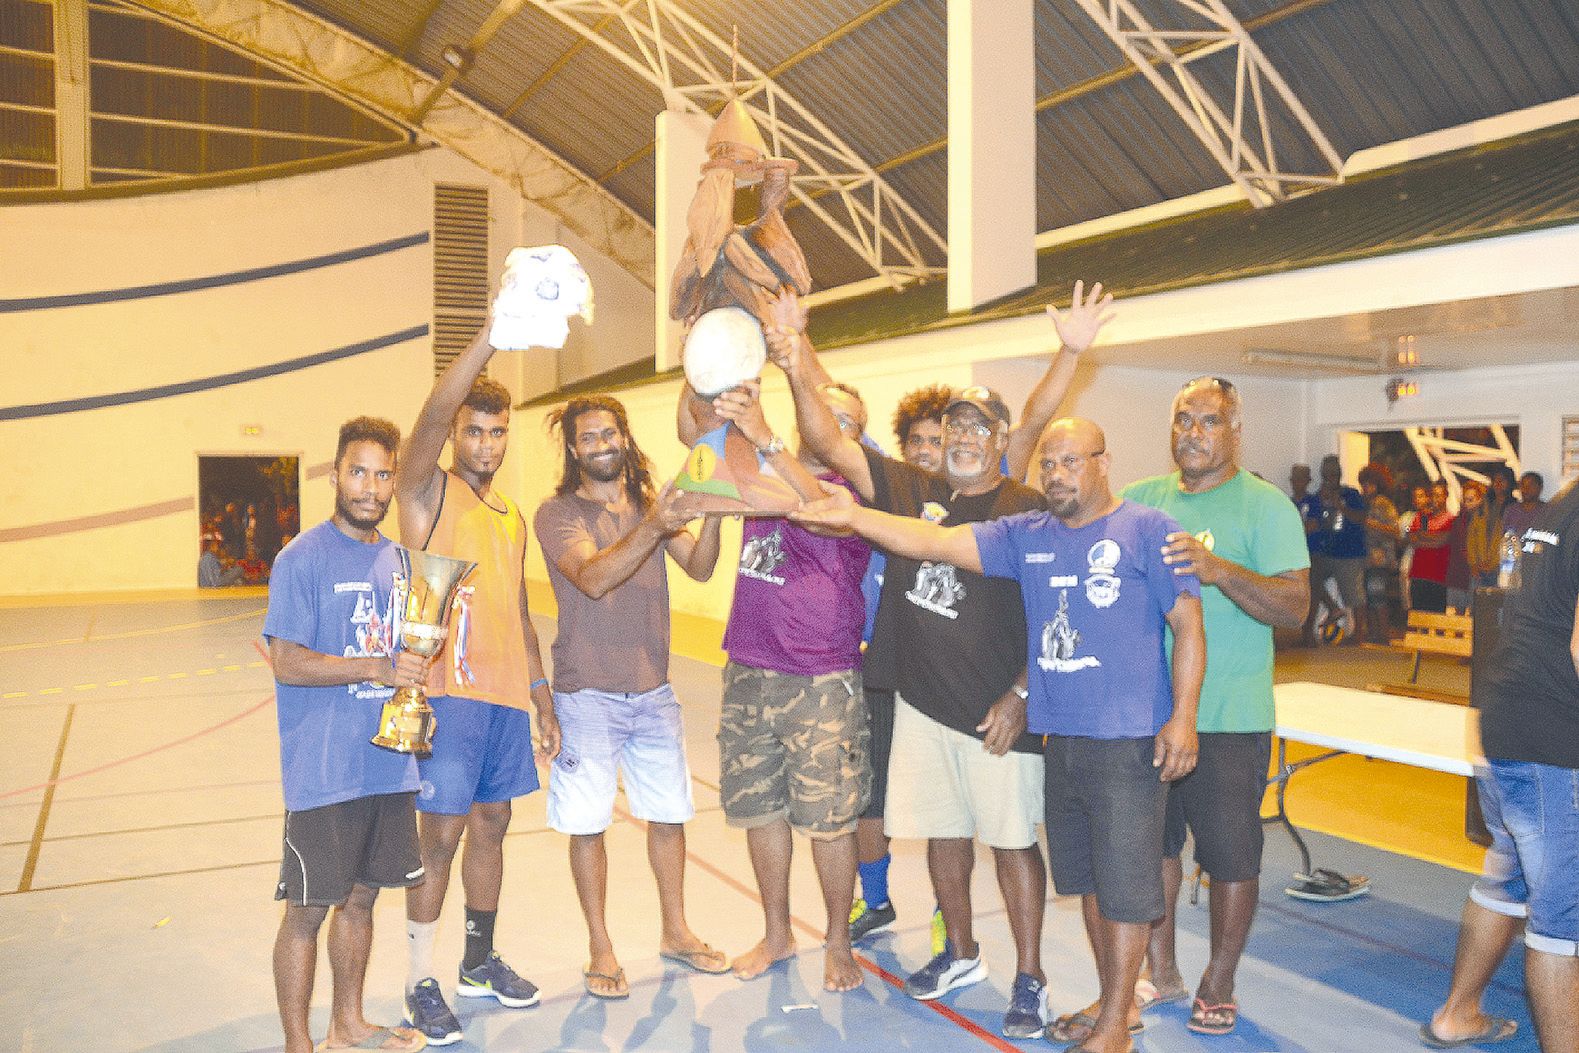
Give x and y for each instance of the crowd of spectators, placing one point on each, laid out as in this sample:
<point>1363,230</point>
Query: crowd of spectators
<point>1372,562</point>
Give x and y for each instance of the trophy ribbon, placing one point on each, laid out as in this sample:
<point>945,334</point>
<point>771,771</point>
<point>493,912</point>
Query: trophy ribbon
<point>463,670</point>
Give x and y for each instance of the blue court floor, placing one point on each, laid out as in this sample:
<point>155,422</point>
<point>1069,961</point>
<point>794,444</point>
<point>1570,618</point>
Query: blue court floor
<point>139,841</point>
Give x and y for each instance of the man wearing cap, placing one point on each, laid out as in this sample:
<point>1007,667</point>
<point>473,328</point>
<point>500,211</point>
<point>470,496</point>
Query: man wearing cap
<point>952,645</point>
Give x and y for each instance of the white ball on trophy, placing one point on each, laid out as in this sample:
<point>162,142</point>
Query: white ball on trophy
<point>539,291</point>
<point>723,349</point>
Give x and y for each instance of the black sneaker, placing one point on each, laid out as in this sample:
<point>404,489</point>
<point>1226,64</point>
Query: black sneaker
<point>867,921</point>
<point>427,1011</point>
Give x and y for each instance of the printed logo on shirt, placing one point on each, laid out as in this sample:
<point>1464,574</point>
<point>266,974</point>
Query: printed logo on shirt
<point>1102,585</point>
<point>353,586</point>
<point>937,589</point>
<point>1534,539</point>
<point>374,635</point>
<point>1040,557</point>
<point>1063,581</point>
<point>1060,640</point>
<point>933,512</point>
<point>762,555</point>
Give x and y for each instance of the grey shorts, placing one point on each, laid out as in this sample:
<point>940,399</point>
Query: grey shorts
<point>1105,805</point>
<point>795,748</point>
<point>1220,803</point>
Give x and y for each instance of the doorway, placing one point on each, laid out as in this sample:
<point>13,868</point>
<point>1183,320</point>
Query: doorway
<point>249,508</point>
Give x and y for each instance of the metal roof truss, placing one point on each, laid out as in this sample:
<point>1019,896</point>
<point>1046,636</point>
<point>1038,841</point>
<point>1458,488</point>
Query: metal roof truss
<point>698,72</point>
<point>1232,142</point>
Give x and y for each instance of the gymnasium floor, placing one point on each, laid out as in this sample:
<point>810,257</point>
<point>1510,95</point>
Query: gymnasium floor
<point>139,839</point>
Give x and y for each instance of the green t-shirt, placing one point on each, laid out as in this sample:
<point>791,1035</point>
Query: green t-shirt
<point>1250,522</point>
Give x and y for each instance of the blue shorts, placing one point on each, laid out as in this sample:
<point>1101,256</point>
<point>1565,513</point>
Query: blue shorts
<point>482,753</point>
<point>607,737</point>
<point>1532,866</point>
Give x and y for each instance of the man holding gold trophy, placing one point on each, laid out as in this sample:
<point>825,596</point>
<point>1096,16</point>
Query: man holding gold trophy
<point>490,672</point>
<point>350,825</point>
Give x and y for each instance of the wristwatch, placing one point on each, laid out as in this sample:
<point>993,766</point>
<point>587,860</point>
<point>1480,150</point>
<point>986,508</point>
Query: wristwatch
<point>773,445</point>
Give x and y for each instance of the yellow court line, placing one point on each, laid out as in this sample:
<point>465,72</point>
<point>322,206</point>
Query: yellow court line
<point>131,634</point>
<point>150,679</point>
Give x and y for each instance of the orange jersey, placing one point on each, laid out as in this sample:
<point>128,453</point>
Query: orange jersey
<point>484,656</point>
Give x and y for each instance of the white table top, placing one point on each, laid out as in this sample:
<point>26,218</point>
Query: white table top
<point>1435,735</point>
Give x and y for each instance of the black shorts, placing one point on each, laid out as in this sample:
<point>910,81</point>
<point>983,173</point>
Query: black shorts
<point>1220,803</point>
<point>1104,809</point>
<point>369,841</point>
<point>880,711</point>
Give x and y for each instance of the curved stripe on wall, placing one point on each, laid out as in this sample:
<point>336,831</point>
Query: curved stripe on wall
<point>186,387</point>
<point>120,516</point>
<point>212,281</point>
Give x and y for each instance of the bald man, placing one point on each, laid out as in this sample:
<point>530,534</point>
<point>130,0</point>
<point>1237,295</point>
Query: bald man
<point>1118,716</point>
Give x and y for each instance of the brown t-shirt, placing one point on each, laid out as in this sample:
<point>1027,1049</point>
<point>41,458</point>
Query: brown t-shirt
<point>619,643</point>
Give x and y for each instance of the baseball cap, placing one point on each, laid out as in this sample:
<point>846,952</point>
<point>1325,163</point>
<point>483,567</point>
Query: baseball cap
<point>988,401</point>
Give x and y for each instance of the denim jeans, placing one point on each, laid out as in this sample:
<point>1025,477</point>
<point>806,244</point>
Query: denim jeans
<point>1532,866</point>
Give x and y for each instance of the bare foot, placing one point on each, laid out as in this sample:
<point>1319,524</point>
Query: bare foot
<point>840,971</point>
<point>762,957</point>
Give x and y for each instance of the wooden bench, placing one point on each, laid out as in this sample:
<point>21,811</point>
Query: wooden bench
<point>1451,635</point>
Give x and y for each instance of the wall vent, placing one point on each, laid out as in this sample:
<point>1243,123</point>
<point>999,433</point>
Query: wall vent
<point>460,268</point>
<point>1570,447</point>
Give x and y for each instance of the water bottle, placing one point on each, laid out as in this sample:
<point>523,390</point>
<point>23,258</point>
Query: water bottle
<point>1508,571</point>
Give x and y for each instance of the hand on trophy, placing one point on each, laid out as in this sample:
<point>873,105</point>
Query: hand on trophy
<point>666,513</point>
<point>742,405</point>
<point>1077,327</point>
<point>784,334</point>
<point>411,669</point>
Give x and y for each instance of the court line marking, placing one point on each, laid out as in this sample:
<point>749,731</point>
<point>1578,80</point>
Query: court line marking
<point>50,785</point>
<point>30,866</point>
<point>130,634</point>
<point>180,674</point>
<point>953,1016</point>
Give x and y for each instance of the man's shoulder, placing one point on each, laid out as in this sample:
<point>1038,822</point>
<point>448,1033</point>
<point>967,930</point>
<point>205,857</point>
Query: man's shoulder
<point>1015,497</point>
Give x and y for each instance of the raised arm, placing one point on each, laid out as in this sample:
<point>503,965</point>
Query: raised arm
<point>1281,599</point>
<point>418,483</point>
<point>819,429</point>
<point>1178,745</point>
<point>901,535</point>
<point>1077,330</point>
<point>743,406</point>
<point>696,554</point>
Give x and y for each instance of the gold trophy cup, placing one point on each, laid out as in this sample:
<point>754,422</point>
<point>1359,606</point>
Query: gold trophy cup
<point>424,596</point>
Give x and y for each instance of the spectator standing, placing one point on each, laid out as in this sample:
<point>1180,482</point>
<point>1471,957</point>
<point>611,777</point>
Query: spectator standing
<point>1334,518</point>
<point>1381,550</point>
<point>1425,531</point>
<point>1518,516</point>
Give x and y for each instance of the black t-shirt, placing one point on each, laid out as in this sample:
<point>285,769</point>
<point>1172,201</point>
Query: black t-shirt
<point>948,640</point>
<point>1530,706</point>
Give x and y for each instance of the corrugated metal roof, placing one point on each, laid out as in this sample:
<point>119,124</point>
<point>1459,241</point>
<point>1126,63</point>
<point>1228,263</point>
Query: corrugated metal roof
<point>875,72</point>
<point>1478,193</point>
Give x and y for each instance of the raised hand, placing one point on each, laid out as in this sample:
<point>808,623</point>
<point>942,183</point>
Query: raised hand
<point>665,512</point>
<point>1078,327</point>
<point>742,405</point>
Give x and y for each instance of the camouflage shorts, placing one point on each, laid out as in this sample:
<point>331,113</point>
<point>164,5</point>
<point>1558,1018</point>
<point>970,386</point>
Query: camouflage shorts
<point>796,748</point>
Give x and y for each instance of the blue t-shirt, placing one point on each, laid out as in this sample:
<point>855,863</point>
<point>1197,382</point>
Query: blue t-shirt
<point>331,594</point>
<point>1340,530</point>
<point>1096,601</point>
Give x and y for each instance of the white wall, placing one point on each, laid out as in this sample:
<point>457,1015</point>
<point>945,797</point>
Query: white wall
<point>105,461</point>
<point>1536,397</point>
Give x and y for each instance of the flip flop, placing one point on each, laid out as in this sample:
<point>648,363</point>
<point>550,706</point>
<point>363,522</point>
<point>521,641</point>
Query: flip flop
<point>1147,996</point>
<point>407,1041</point>
<point>1202,1009</point>
<point>1497,1029</point>
<point>701,960</point>
<point>616,978</point>
<point>1065,1028</point>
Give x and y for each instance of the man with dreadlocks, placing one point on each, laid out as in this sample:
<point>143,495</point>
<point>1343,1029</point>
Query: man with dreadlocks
<point>480,685</point>
<point>604,535</point>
